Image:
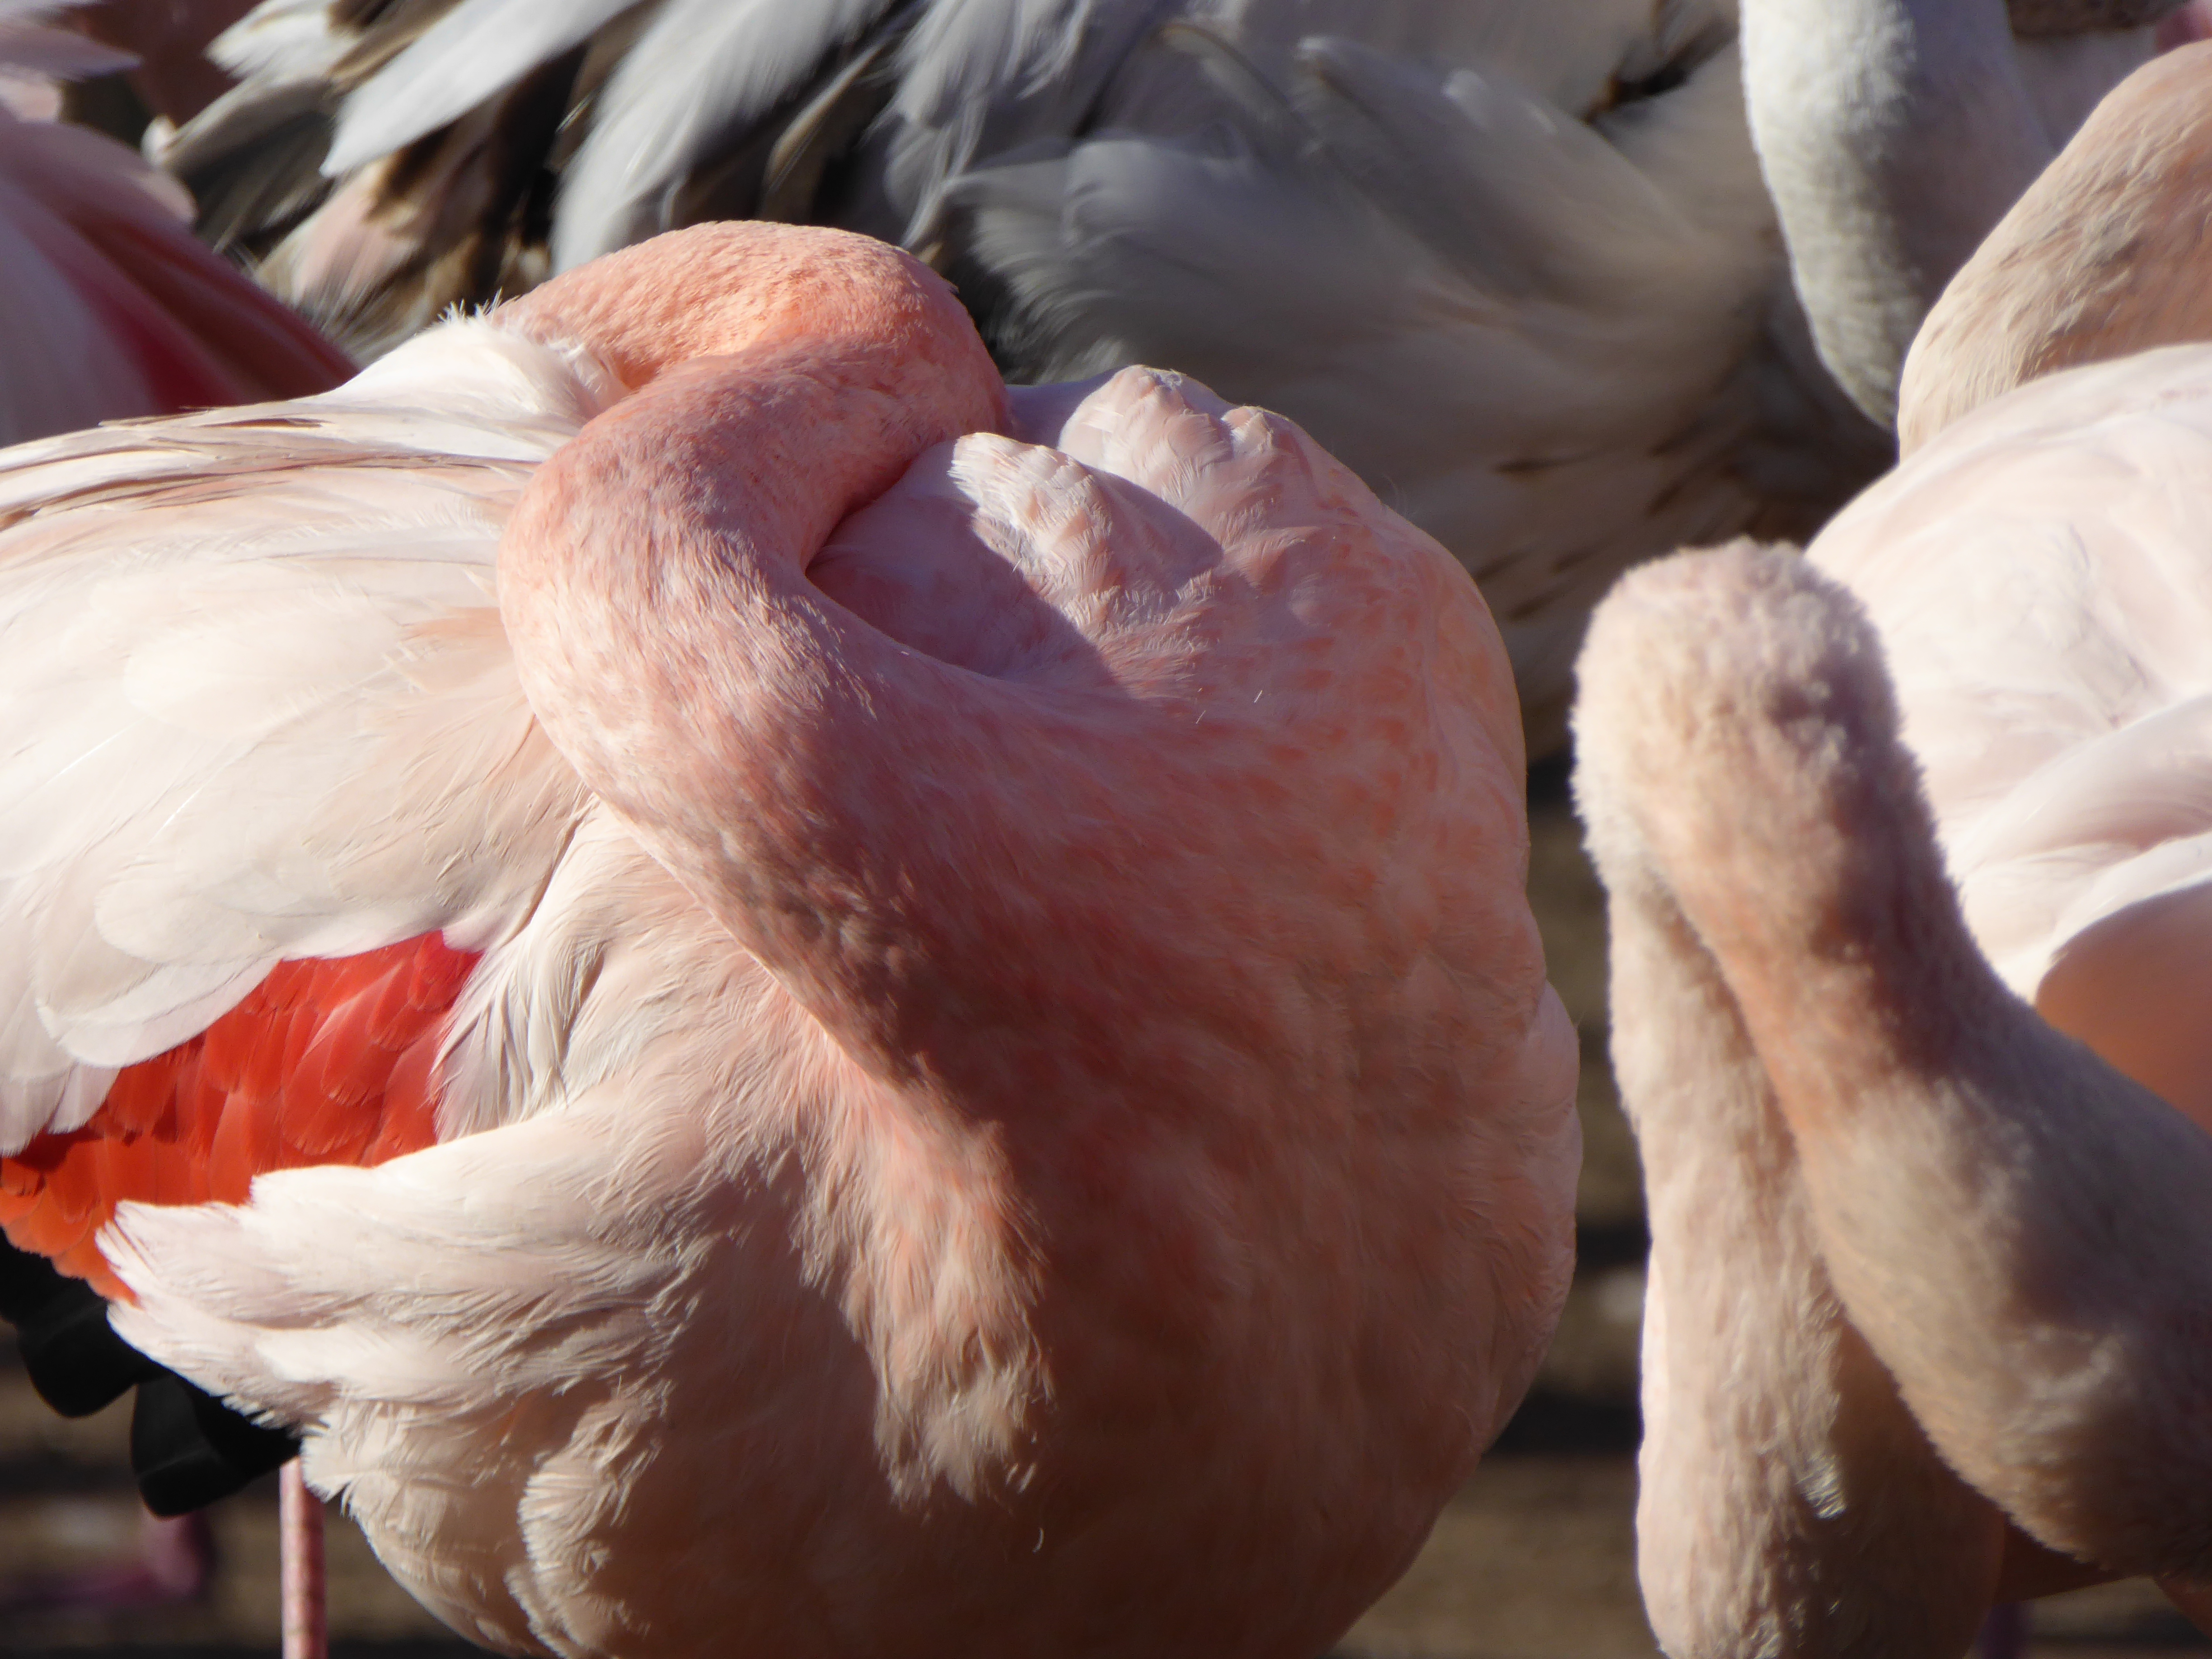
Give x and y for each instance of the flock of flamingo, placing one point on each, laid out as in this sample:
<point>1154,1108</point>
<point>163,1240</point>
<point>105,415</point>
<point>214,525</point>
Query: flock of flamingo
<point>770,996</point>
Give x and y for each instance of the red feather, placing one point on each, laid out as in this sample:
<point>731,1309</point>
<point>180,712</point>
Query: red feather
<point>324,1062</point>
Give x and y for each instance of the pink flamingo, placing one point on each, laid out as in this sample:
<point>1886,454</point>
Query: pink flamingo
<point>1906,850</point>
<point>113,308</point>
<point>780,1002</point>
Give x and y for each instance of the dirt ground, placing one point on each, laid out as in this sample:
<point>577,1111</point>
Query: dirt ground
<point>1534,1559</point>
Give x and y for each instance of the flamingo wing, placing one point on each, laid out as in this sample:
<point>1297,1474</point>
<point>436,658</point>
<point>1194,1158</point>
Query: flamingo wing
<point>2066,733</point>
<point>265,707</point>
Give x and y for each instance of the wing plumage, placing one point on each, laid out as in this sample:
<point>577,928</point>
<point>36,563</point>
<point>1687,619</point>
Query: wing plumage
<point>2066,734</point>
<point>268,709</point>
<point>323,1062</point>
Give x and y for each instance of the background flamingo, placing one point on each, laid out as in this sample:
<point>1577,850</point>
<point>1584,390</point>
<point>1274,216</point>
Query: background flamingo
<point>934,1070</point>
<point>113,308</point>
<point>1901,1227</point>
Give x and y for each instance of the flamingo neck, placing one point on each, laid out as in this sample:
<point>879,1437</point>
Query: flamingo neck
<point>653,583</point>
<point>1784,816</point>
<point>1893,134</point>
<point>2018,1232</point>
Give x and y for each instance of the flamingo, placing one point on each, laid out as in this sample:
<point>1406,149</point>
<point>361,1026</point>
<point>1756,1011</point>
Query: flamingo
<point>113,308</point>
<point>1906,850</point>
<point>779,1001</point>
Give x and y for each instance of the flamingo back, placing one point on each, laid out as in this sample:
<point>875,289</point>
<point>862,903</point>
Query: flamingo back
<point>2064,735</point>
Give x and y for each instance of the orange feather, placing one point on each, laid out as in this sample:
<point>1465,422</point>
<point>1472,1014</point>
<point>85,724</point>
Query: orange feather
<point>324,1062</point>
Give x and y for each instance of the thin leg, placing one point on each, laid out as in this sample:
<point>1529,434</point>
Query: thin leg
<point>300,1523</point>
<point>2004,1632</point>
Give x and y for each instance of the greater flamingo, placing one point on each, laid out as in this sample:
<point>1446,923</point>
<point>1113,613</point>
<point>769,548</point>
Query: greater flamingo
<point>774,1022</point>
<point>1924,1328</point>
<point>112,308</point>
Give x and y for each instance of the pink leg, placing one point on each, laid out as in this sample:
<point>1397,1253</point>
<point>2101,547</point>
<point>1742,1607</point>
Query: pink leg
<point>2004,1632</point>
<point>300,1523</point>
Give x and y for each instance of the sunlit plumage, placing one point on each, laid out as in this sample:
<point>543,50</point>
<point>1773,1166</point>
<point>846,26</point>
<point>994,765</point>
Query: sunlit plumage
<point>991,1085</point>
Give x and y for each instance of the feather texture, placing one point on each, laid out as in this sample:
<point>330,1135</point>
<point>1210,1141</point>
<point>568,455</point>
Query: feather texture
<point>1514,260</point>
<point>2067,737</point>
<point>257,663</point>
<point>731,1306</point>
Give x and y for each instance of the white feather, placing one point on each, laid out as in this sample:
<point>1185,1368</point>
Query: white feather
<point>263,703</point>
<point>283,39</point>
<point>702,73</point>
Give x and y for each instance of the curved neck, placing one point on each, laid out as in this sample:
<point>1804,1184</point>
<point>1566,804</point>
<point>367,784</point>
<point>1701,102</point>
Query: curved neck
<point>770,749</point>
<point>1986,1193</point>
<point>1768,1421</point>
<point>1893,134</point>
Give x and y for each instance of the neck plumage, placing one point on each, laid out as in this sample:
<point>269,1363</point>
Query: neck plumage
<point>1893,134</point>
<point>1776,1449</point>
<point>772,750</point>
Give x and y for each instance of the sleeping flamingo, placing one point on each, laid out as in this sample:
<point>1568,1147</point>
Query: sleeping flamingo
<point>113,309</point>
<point>1906,847</point>
<point>780,1003</point>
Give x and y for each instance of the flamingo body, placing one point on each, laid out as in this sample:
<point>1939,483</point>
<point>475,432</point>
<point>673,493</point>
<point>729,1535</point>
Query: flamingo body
<point>2062,736</point>
<point>997,1093</point>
